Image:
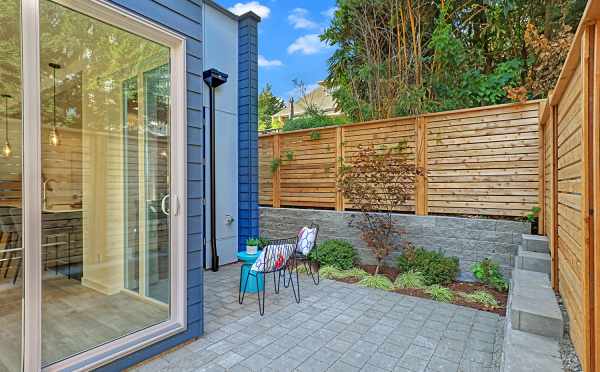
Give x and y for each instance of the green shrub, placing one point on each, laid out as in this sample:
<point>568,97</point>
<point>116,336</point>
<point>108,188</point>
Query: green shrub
<point>312,121</point>
<point>410,279</point>
<point>435,267</point>
<point>377,281</point>
<point>481,297</point>
<point>337,253</point>
<point>488,272</point>
<point>439,293</point>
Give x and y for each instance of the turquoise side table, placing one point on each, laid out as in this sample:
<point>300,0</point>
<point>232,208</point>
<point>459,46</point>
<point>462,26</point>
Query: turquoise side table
<point>247,262</point>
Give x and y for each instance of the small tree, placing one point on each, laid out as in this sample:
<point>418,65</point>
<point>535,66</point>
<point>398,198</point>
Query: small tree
<point>377,183</point>
<point>268,105</point>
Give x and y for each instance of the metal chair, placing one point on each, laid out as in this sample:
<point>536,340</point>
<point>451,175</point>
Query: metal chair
<point>307,260</point>
<point>277,258</point>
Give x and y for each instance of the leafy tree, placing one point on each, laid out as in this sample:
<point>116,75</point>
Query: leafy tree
<point>405,57</point>
<point>268,105</point>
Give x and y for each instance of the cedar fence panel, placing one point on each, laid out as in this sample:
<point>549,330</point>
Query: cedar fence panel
<point>265,179</point>
<point>570,126</point>
<point>482,161</point>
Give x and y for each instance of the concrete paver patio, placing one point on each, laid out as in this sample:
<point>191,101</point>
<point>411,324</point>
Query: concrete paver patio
<point>336,327</point>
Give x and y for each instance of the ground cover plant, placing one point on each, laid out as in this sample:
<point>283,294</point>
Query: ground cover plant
<point>481,297</point>
<point>410,279</point>
<point>439,293</point>
<point>377,281</point>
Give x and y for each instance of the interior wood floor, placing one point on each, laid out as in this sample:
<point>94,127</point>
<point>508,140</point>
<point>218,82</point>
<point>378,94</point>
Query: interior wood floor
<point>74,319</point>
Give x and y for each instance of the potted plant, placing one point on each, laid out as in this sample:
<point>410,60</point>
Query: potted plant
<point>252,245</point>
<point>532,217</point>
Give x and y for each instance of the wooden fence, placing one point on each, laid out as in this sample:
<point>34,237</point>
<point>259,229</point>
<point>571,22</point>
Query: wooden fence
<point>482,161</point>
<point>570,152</point>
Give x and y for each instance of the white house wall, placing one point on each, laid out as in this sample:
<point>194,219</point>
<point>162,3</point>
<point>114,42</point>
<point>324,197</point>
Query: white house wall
<point>221,52</point>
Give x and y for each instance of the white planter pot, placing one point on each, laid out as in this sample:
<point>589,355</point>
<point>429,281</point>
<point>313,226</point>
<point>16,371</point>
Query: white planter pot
<point>251,249</point>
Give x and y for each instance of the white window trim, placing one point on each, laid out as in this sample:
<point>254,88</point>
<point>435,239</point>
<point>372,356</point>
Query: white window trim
<point>177,323</point>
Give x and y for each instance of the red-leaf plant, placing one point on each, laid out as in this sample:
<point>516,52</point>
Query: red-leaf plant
<point>377,182</point>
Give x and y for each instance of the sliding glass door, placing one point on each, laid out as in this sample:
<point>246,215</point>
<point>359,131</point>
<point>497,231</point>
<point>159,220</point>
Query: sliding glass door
<point>11,231</point>
<point>91,229</point>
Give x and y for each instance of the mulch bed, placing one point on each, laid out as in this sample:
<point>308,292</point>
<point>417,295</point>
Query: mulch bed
<point>456,286</point>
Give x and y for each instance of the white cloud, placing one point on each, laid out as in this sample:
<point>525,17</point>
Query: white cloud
<point>307,44</point>
<point>263,62</point>
<point>299,19</point>
<point>253,6</point>
<point>329,13</point>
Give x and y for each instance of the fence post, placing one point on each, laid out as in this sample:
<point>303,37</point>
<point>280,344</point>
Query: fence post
<point>542,173</point>
<point>587,60</point>
<point>277,173</point>
<point>339,156</point>
<point>554,216</point>
<point>421,201</point>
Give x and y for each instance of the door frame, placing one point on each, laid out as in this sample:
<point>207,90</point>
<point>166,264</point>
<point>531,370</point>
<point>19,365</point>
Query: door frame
<point>32,205</point>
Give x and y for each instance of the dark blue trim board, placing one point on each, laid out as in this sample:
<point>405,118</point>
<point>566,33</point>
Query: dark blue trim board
<point>185,18</point>
<point>248,129</point>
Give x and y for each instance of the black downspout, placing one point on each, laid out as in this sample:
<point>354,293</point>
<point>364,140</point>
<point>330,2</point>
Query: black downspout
<point>213,190</point>
<point>213,78</point>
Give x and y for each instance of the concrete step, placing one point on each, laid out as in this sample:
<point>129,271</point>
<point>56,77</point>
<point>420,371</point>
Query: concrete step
<point>536,243</point>
<point>533,261</point>
<point>533,306</point>
<point>525,352</point>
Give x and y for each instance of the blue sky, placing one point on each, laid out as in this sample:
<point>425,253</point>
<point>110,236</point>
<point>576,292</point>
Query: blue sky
<point>289,47</point>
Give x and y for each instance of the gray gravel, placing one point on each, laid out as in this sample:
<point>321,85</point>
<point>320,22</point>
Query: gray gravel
<point>569,357</point>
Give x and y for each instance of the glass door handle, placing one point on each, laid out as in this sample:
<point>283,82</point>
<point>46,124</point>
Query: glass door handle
<point>174,205</point>
<point>163,204</point>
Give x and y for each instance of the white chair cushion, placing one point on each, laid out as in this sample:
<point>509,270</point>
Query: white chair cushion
<point>278,257</point>
<point>306,240</point>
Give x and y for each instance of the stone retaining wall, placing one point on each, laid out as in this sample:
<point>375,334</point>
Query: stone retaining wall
<point>469,239</point>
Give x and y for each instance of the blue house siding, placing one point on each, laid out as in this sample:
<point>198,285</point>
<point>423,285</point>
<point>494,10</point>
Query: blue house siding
<point>185,18</point>
<point>248,128</point>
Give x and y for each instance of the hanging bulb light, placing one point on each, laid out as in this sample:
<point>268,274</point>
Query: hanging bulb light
<point>54,139</point>
<point>6,150</point>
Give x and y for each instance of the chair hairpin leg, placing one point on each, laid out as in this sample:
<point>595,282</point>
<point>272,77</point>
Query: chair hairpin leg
<point>296,288</point>
<point>261,308</point>
<point>309,269</point>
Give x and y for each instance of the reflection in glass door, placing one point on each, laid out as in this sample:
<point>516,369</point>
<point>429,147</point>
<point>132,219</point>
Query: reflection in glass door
<point>146,156</point>
<point>156,105</point>
<point>11,231</point>
<point>105,100</point>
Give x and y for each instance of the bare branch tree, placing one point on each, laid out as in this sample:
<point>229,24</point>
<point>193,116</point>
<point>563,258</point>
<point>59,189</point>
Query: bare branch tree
<point>377,183</point>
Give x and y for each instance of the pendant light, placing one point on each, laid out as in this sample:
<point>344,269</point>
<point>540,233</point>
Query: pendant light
<point>54,140</point>
<point>7,149</point>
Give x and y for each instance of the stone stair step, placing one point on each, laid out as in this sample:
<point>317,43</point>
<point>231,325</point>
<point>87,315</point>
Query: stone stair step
<point>533,305</point>
<point>525,352</point>
<point>536,243</point>
<point>533,261</point>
